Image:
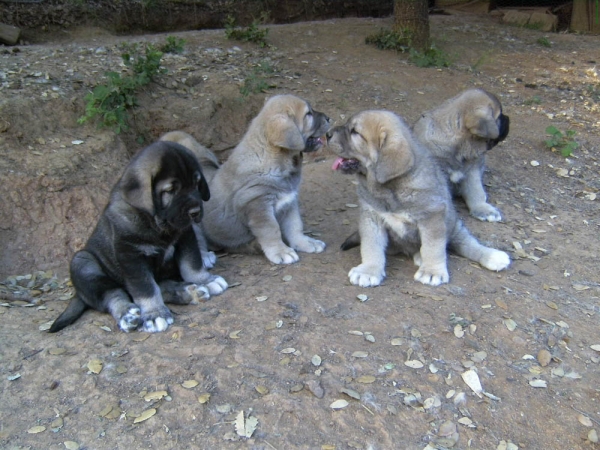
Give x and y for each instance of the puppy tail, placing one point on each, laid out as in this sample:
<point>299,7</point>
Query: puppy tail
<point>73,312</point>
<point>351,241</point>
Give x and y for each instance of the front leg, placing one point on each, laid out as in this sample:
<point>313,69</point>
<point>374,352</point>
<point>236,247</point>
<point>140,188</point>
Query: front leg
<point>291,226</point>
<point>191,266</point>
<point>471,189</point>
<point>431,259</point>
<point>373,243</point>
<point>146,294</point>
<point>265,228</point>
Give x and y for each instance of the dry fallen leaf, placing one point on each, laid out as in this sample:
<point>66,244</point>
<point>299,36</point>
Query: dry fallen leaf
<point>595,347</point>
<point>397,341</point>
<point>235,334</point>
<point>366,379</point>
<point>71,445</point>
<point>413,364</point>
<point>471,378</point>
<point>145,415</point>
<point>156,395</point>
<point>95,366</point>
<point>189,384</point>
<point>262,390</point>
<point>544,357</point>
<point>204,398</point>
<point>350,393</point>
<point>360,354</point>
<point>593,436</point>
<point>538,383</point>
<point>288,350</point>
<point>245,427</point>
<point>316,360</point>
<point>585,420</point>
<point>510,324</point>
<point>37,429</point>
<point>339,404</point>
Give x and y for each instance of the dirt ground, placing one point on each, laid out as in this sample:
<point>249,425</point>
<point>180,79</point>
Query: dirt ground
<point>531,325</point>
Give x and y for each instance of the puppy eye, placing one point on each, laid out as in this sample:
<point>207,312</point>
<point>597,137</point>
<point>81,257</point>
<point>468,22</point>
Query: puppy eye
<point>353,131</point>
<point>309,114</point>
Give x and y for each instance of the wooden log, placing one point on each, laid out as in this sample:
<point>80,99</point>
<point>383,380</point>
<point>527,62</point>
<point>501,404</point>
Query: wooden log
<point>586,16</point>
<point>8,34</point>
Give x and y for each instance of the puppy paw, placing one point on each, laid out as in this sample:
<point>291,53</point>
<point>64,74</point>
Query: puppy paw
<point>486,213</point>
<point>157,321</point>
<point>433,277</point>
<point>217,286</point>
<point>286,255</point>
<point>208,259</point>
<point>495,260</point>
<point>366,276</point>
<point>131,320</point>
<point>308,245</point>
<point>196,294</point>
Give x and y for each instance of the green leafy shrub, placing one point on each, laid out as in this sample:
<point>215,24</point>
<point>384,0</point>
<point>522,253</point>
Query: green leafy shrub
<point>560,141</point>
<point>544,41</point>
<point>173,45</point>
<point>109,102</point>
<point>432,57</point>
<point>249,34</point>
<point>389,40</point>
<point>256,81</point>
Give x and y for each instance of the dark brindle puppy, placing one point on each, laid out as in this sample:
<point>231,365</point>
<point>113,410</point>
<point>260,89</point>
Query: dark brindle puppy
<point>144,251</point>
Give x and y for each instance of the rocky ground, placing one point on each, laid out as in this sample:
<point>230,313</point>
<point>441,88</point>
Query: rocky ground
<point>399,359</point>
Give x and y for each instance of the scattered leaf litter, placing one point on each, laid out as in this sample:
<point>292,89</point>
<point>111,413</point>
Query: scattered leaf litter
<point>339,404</point>
<point>145,415</point>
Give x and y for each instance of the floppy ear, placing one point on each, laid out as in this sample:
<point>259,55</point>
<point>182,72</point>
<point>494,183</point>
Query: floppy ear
<point>395,158</point>
<point>282,132</point>
<point>481,123</point>
<point>203,188</point>
<point>136,182</point>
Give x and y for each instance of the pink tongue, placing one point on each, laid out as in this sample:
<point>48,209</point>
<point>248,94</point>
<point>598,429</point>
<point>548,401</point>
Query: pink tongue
<point>337,163</point>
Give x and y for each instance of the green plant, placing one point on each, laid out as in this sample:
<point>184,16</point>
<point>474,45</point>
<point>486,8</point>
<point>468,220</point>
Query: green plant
<point>256,81</point>
<point>535,100</point>
<point>544,41</point>
<point>593,91</point>
<point>173,45</point>
<point>387,39</point>
<point>563,142</point>
<point>109,102</point>
<point>432,57</point>
<point>249,34</point>
<point>534,25</point>
<point>481,60</point>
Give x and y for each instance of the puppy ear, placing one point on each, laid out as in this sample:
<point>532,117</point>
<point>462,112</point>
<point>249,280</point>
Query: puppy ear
<point>395,158</point>
<point>282,132</point>
<point>136,182</point>
<point>203,188</point>
<point>481,123</point>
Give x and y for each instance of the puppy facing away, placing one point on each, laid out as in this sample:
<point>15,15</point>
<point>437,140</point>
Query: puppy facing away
<point>144,251</point>
<point>405,202</point>
<point>255,192</point>
<point>459,133</point>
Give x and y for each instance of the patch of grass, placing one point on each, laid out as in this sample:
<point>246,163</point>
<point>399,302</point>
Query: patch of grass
<point>544,42</point>
<point>593,91</point>
<point>535,100</point>
<point>433,57</point>
<point>256,81</point>
<point>109,102</point>
<point>563,142</point>
<point>250,34</point>
<point>481,61</point>
<point>534,26</point>
<point>387,39</point>
<point>173,45</point>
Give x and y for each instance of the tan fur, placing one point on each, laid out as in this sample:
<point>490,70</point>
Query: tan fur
<point>254,194</point>
<point>405,201</point>
<point>459,132</point>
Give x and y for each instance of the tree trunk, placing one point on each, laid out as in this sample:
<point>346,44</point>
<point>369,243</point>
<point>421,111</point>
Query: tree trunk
<point>411,17</point>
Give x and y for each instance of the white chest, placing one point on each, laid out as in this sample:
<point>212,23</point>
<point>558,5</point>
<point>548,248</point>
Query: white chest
<point>400,223</point>
<point>456,176</point>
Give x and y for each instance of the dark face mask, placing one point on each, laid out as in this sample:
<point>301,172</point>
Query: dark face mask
<point>504,128</point>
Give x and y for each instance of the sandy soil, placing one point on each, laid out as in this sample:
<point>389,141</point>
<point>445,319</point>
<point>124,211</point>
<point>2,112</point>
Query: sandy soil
<point>532,325</point>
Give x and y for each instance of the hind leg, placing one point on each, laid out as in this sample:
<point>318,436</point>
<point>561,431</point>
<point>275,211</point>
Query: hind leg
<point>102,293</point>
<point>464,244</point>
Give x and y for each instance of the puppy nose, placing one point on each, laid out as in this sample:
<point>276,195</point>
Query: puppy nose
<point>195,213</point>
<point>329,135</point>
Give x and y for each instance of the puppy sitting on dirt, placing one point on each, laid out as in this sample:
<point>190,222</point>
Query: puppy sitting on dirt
<point>405,202</point>
<point>144,251</point>
<point>459,133</point>
<point>255,192</point>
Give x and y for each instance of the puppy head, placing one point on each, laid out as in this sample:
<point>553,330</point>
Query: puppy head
<point>376,143</point>
<point>165,181</point>
<point>290,123</point>
<point>482,115</point>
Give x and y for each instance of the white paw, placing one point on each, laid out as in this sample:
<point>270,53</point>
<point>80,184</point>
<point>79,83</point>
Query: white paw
<point>158,324</point>
<point>208,259</point>
<point>197,293</point>
<point>286,255</point>
<point>495,260</point>
<point>366,276</point>
<point>217,286</point>
<point>486,213</point>
<point>432,277</point>
<point>131,320</point>
<point>309,245</point>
